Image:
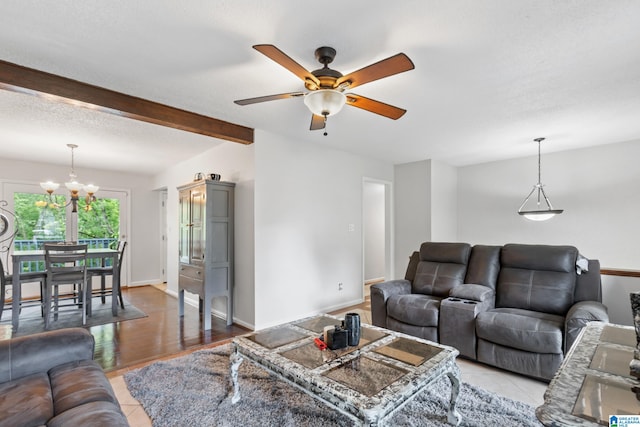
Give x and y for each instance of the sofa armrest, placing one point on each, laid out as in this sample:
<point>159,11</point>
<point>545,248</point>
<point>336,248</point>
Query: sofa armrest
<point>380,293</point>
<point>578,316</point>
<point>472,292</point>
<point>36,353</point>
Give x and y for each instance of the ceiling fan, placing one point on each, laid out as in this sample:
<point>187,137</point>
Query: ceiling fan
<point>326,87</point>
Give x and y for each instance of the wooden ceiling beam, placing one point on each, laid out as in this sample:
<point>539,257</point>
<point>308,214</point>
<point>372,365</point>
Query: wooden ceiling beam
<point>17,78</point>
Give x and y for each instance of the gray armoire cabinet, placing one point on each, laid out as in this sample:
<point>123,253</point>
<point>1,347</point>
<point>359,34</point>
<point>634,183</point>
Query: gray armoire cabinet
<point>206,245</point>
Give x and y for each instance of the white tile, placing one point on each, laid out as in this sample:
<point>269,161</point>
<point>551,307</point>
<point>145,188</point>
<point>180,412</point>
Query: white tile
<point>503,383</point>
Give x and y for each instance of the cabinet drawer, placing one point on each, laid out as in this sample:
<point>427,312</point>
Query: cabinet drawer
<point>191,272</point>
<point>195,286</point>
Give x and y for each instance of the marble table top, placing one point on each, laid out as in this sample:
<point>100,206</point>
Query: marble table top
<point>366,382</point>
<point>593,382</point>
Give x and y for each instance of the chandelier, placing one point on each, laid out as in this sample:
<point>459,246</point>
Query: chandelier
<point>539,213</point>
<point>74,188</point>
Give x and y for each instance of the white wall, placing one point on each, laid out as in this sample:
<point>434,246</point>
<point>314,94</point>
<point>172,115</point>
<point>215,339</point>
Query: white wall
<point>143,234</point>
<point>599,189</point>
<point>235,162</point>
<point>444,202</point>
<point>374,230</point>
<point>306,197</point>
<point>426,207</point>
<point>412,205</point>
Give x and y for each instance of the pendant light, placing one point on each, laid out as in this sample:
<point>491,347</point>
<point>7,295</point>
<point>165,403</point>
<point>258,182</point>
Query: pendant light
<point>74,188</point>
<point>539,213</point>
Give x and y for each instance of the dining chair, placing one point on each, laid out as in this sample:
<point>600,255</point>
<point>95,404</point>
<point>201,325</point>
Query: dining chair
<point>66,264</point>
<point>6,280</point>
<point>103,271</point>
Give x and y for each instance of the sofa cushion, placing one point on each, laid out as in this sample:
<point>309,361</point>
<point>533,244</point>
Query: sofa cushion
<point>537,277</point>
<point>540,257</point>
<point>414,309</point>
<point>26,401</point>
<point>484,265</point>
<point>92,414</point>
<point>429,333</point>
<point>521,329</point>
<point>76,383</point>
<point>442,266</point>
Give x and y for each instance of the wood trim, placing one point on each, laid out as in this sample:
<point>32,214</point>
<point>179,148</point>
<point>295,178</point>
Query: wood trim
<point>17,78</point>
<point>619,272</point>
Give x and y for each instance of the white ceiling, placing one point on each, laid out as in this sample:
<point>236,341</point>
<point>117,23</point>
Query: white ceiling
<point>490,75</point>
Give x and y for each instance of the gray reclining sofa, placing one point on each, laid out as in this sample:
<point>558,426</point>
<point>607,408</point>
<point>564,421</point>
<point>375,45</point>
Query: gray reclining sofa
<point>50,379</point>
<point>517,307</point>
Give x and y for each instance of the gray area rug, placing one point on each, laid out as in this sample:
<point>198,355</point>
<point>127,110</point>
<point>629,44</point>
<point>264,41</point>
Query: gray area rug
<point>31,320</point>
<point>193,391</point>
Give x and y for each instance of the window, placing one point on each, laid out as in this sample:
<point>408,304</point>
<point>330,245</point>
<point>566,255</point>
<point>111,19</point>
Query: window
<point>39,220</point>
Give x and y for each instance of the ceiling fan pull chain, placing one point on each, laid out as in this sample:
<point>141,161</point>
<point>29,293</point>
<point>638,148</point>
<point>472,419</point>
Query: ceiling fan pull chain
<point>325,125</point>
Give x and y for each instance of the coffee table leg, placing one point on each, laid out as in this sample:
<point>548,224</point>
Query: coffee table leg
<point>453,417</point>
<point>235,360</point>
<point>371,419</point>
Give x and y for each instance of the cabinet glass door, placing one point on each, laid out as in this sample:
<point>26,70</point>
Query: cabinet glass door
<point>197,225</point>
<point>185,226</point>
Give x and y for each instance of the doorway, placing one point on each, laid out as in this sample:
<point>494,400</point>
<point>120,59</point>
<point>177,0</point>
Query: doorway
<point>376,236</point>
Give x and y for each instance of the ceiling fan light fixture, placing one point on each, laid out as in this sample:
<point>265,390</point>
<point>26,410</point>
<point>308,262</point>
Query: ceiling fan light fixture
<point>325,102</point>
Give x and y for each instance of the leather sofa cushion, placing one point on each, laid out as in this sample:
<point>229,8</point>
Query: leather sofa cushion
<point>26,401</point>
<point>76,383</point>
<point>521,329</point>
<point>442,266</point>
<point>437,278</point>
<point>540,257</point>
<point>102,414</point>
<point>414,309</point>
<point>456,253</point>
<point>414,259</point>
<point>545,291</point>
<point>484,265</point>
<point>429,333</point>
<point>537,277</point>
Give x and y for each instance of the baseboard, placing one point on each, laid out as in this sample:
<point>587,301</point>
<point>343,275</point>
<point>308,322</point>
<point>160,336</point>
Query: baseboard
<point>193,302</point>
<point>143,283</point>
<point>342,305</point>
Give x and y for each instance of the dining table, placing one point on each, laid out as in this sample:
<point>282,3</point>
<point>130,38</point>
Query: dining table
<point>20,256</point>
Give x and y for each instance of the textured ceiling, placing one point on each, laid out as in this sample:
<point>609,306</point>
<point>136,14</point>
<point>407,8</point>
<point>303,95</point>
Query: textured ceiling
<point>490,75</point>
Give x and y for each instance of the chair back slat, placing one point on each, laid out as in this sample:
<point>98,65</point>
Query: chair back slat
<point>66,262</point>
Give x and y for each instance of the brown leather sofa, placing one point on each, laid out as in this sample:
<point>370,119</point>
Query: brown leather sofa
<point>517,307</point>
<point>50,379</point>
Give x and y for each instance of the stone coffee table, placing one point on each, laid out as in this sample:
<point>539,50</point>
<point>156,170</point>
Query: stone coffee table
<point>367,383</point>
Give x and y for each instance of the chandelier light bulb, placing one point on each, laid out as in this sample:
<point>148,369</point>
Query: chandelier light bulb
<point>73,186</point>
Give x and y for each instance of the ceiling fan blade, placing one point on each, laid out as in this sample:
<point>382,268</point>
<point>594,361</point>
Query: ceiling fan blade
<point>375,106</point>
<point>268,98</point>
<point>317,122</point>
<point>387,67</point>
<point>283,59</point>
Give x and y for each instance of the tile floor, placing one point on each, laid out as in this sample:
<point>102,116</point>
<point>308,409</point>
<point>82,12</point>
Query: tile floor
<point>503,383</point>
